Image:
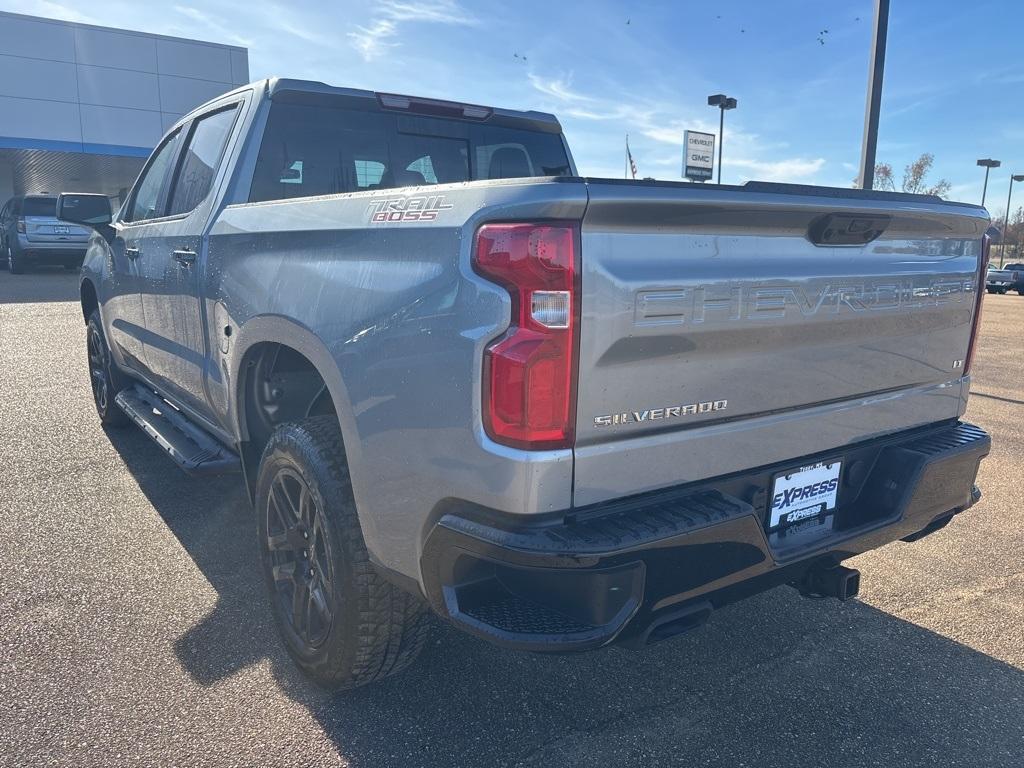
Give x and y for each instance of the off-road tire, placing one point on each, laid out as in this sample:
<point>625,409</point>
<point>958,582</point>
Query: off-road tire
<point>375,629</point>
<point>104,375</point>
<point>15,265</point>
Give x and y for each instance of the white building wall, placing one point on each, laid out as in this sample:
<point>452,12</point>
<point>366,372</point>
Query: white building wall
<point>105,90</point>
<point>6,181</point>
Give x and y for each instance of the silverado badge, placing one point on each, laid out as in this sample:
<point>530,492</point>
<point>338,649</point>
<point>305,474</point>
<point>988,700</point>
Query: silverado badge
<point>666,412</point>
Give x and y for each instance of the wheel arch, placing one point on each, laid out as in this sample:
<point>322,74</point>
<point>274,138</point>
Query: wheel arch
<point>89,298</point>
<point>255,340</point>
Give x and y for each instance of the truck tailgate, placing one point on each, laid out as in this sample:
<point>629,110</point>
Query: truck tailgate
<point>716,336</point>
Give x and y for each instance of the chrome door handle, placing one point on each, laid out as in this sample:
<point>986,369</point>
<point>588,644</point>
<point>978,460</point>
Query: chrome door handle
<point>184,257</point>
<point>132,252</point>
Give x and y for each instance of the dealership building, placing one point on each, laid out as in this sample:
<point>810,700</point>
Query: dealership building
<point>81,107</point>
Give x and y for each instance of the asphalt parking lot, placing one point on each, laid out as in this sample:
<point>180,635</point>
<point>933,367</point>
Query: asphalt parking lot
<point>133,626</point>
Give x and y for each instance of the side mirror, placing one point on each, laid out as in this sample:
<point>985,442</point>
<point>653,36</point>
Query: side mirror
<point>84,208</point>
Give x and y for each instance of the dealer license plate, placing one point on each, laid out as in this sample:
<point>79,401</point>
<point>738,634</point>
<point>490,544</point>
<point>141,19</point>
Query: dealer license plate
<point>804,493</point>
<point>60,229</point>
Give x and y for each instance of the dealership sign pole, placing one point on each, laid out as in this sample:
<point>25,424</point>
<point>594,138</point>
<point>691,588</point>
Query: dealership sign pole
<point>874,101</point>
<point>698,155</point>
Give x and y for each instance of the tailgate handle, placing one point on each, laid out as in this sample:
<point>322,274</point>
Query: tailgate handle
<point>846,229</point>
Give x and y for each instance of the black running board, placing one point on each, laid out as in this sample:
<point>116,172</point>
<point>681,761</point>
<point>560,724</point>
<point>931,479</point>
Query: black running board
<point>190,447</point>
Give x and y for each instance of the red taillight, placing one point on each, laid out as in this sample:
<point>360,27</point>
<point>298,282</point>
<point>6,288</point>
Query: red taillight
<point>530,372</point>
<point>20,224</point>
<point>986,244</point>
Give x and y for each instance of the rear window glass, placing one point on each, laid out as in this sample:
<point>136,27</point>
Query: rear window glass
<point>312,150</point>
<point>39,206</point>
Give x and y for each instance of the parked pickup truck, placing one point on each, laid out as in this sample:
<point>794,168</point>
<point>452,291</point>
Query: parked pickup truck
<point>1010,278</point>
<point>560,412</point>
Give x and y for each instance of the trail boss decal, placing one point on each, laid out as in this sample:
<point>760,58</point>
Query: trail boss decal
<point>399,210</point>
<point>654,414</point>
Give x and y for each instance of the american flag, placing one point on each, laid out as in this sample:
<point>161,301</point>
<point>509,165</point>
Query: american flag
<point>632,162</point>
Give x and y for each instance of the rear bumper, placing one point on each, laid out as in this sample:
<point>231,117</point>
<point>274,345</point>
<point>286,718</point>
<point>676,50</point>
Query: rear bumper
<point>56,250</point>
<point>616,571</point>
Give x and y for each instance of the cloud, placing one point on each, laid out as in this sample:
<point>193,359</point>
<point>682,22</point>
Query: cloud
<point>50,10</point>
<point>658,122</point>
<point>374,40</point>
<point>561,88</point>
<point>377,37</point>
<point>789,169</point>
<point>438,11</point>
<point>219,29</point>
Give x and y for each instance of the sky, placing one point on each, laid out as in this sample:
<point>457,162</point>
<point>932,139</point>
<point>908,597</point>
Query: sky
<point>954,75</point>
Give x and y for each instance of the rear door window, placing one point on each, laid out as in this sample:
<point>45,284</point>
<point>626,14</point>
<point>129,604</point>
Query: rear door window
<point>40,206</point>
<point>310,150</point>
<point>201,159</point>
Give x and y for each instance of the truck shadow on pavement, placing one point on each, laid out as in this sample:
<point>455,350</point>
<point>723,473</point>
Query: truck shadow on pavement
<point>774,680</point>
<point>44,284</point>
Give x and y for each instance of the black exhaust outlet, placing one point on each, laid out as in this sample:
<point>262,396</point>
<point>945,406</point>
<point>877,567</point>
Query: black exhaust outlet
<point>669,624</point>
<point>837,581</point>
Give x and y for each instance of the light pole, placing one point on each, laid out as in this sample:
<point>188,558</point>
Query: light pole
<point>874,103</point>
<point>1006,221</point>
<point>723,103</point>
<point>988,164</point>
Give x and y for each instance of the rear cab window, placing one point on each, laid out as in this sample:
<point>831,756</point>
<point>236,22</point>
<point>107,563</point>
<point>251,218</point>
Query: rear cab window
<point>310,150</point>
<point>40,206</point>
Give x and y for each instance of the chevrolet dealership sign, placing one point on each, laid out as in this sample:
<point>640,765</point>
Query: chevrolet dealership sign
<point>698,155</point>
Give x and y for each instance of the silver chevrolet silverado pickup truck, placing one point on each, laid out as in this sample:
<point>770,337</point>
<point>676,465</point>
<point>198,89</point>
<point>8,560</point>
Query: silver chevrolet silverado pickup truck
<point>560,412</point>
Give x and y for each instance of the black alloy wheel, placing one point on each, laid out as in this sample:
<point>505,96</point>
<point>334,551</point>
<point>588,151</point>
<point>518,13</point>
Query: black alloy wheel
<point>105,379</point>
<point>98,368</point>
<point>300,557</point>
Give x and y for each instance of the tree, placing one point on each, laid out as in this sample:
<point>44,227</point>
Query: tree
<point>914,178</point>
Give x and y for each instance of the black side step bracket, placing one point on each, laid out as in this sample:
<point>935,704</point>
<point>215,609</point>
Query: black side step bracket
<point>189,446</point>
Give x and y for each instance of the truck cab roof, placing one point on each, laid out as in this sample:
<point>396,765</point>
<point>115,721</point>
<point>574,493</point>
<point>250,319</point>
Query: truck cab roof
<point>313,91</point>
